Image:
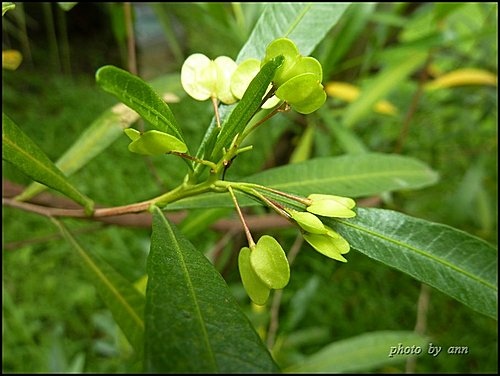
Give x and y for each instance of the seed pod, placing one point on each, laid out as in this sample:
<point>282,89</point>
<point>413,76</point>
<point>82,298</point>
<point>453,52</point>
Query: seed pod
<point>303,92</point>
<point>255,288</point>
<point>154,143</point>
<point>269,262</point>
<point>298,79</point>
<point>203,78</point>
<point>287,48</point>
<point>243,75</point>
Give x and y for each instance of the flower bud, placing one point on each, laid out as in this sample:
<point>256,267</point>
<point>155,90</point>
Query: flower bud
<point>331,206</point>
<point>309,222</point>
<point>330,244</point>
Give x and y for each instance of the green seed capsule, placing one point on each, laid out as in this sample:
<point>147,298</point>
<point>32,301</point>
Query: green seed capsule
<point>255,288</point>
<point>155,143</point>
<point>330,244</point>
<point>270,263</point>
<point>308,222</point>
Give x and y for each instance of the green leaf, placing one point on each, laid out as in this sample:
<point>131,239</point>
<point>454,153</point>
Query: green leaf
<point>124,301</point>
<point>380,87</point>
<point>140,97</point>
<point>305,144</point>
<point>304,23</point>
<point>346,34</point>
<point>7,6</point>
<point>454,262</point>
<point>363,353</point>
<point>247,107</point>
<point>99,135</point>
<point>347,138</point>
<point>23,153</point>
<point>66,6</point>
<point>193,323</point>
<point>348,175</point>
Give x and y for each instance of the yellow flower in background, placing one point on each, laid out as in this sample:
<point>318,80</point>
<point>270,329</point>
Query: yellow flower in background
<point>349,93</point>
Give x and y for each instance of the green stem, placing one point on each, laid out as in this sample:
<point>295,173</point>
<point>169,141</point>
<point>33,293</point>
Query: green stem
<point>249,190</point>
<point>182,191</point>
<point>280,108</point>
<point>299,199</point>
<point>210,164</point>
<point>251,242</point>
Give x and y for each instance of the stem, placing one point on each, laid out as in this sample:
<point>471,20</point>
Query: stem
<point>127,14</point>
<point>51,35</point>
<point>272,204</point>
<point>216,110</point>
<point>63,33</point>
<point>413,106</point>
<point>251,242</point>
<point>210,164</point>
<point>421,324</point>
<point>260,122</point>
<point>182,191</point>
<point>77,213</point>
<point>299,199</point>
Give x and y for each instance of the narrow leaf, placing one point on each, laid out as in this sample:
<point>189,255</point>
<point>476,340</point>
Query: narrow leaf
<point>348,175</point>
<point>193,323</point>
<point>348,140</point>
<point>454,262</point>
<point>124,301</point>
<point>23,153</point>
<point>381,86</point>
<point>7,6</point>
<point>101,133</point>
<point>247,107</point>
<point>304,23</point>
<point>363,353</point>
<point>67,6</point>
<point>139,96</point>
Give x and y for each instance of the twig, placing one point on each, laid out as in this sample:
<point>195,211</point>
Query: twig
<point>132,62</point>
<point>421,322</point>
<point>251,242</point>
<point>77,213</point>
<point>413,106</point>
<point>49,204</point>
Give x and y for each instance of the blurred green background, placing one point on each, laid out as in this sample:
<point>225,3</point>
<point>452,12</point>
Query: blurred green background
<point>53,320</point>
